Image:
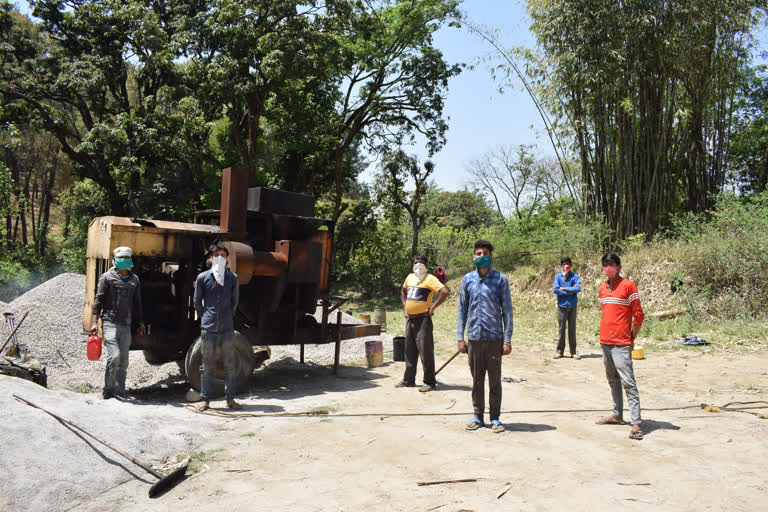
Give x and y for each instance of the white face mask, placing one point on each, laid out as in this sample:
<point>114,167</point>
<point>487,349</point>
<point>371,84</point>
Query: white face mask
<point>420,270</point>
<point>219,266</point>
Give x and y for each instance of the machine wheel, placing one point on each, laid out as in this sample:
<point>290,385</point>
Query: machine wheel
<point>244,364</point>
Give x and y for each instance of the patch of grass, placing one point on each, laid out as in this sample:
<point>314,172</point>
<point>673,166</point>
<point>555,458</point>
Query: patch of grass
<point>125,500</point>
<point>326,420</point>
<point>218,492</point>
<point>325,408</point>
<point>82,388</point>
<point>249,434</point>
<point>197,459</point>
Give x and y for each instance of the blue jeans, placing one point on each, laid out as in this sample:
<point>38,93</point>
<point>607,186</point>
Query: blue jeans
<point>619,372</point>
<point>117,338</point>
<point>210,341</point>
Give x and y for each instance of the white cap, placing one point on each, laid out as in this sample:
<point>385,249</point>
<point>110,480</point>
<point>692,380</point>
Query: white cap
<point>122,252</point>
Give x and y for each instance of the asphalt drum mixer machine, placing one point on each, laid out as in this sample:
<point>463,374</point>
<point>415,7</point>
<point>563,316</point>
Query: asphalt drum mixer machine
<point>282,257</point>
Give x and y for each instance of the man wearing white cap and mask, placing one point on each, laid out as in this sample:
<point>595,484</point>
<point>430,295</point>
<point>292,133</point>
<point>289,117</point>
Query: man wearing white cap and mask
<point>118,303</point>
<point>416,296</point>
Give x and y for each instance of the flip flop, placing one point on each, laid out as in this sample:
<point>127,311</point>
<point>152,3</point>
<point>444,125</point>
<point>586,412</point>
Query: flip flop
<point>610,421</point>
<point>497,427</point>
<point>473,424</point>
<point>637,435</point>
<point>234,405</point>
<point>203,407</point>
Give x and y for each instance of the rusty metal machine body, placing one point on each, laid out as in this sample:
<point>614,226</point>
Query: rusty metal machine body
<point>279,251</point>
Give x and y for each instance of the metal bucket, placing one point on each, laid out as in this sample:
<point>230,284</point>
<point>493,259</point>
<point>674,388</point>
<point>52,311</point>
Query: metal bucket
<point>365,318</point>
<point>380,317</point>
<point>398,348</point>
<point>374,353</point>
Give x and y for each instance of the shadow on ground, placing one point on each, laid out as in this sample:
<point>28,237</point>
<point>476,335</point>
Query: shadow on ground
<point>284,379</point>
<point>649,426</point>
<point>528,427</point>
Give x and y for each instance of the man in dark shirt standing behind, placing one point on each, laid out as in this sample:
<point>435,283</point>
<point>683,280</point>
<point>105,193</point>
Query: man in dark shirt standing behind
<point>217,294</point>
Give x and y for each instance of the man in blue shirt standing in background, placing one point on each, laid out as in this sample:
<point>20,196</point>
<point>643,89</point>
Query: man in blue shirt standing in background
<point>485,302</point>
<point>566,287</point>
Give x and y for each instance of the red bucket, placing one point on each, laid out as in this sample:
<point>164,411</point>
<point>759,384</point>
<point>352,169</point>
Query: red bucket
<point>94,347</point>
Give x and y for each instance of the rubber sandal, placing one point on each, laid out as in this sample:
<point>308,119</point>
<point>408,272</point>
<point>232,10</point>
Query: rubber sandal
<point>203,407</point>
<point>234,405</point>
<point>557,356</point>
<point>474,424</point>
<point>576,356</point>
<point>497,427</point>
<point>637,435</point>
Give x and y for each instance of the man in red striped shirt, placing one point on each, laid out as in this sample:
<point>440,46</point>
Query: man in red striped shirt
<point>619,325</point>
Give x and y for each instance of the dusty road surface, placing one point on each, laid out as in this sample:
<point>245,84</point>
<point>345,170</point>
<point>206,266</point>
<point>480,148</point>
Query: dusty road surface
<point>378,442</point>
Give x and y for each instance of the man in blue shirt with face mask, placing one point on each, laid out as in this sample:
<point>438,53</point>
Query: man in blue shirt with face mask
<point>485,302</point>
<point>118,303</point>
<point>217,294</point>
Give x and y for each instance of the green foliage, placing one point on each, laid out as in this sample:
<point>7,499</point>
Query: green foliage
<point>460,210</point>
<point>630,86</point>
<point>725,265</point>
<point>542,238</point>
<point>101,77</point>
<point>447,246</point>
<point>358,223</point>
<point>20,270</point>
<point>749,142</point>
<point>8,191</point>
<point>382,259</point>
<point>81,204</point>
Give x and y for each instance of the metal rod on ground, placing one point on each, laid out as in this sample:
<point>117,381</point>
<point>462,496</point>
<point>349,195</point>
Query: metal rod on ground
<point>163,483</point>
<point>16,328</point>
<point>448,361</point>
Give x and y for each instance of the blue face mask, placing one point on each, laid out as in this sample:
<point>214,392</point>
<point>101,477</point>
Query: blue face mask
<point>483,262</point>
<point>123,263</point>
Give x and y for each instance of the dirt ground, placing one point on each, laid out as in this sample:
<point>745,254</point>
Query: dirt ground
<point>374,458</point>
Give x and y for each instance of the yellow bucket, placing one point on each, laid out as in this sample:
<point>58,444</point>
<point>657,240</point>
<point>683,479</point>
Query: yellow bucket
<point>638,352</point>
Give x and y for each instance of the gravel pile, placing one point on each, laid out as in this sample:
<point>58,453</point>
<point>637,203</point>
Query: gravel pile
<point>53,331</point>
<point>46,466</point>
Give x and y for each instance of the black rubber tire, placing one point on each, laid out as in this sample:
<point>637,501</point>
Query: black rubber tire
<point>244,364</point>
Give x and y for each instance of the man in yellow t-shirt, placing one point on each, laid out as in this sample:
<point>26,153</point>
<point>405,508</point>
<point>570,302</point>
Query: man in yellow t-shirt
<point>416,295</point>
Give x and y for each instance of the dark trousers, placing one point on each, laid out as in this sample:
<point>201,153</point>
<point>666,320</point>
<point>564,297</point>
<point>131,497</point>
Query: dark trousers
<point>566,316</point>
<point>485,357</point>
<point>419,342</point>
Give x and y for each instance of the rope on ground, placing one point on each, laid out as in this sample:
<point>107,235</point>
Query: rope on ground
<point>327,414</point>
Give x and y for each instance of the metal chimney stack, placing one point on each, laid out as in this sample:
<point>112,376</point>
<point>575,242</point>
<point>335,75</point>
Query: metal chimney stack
<point>234,202</point>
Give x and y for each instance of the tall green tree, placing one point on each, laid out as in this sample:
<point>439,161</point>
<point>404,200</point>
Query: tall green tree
<point>646,89</point>
<point>463,209</point>
<point>749,142</point>
<point>243,53</point>
<point>397,169</point>
<point>393,79</point>
<point>101,76</point>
